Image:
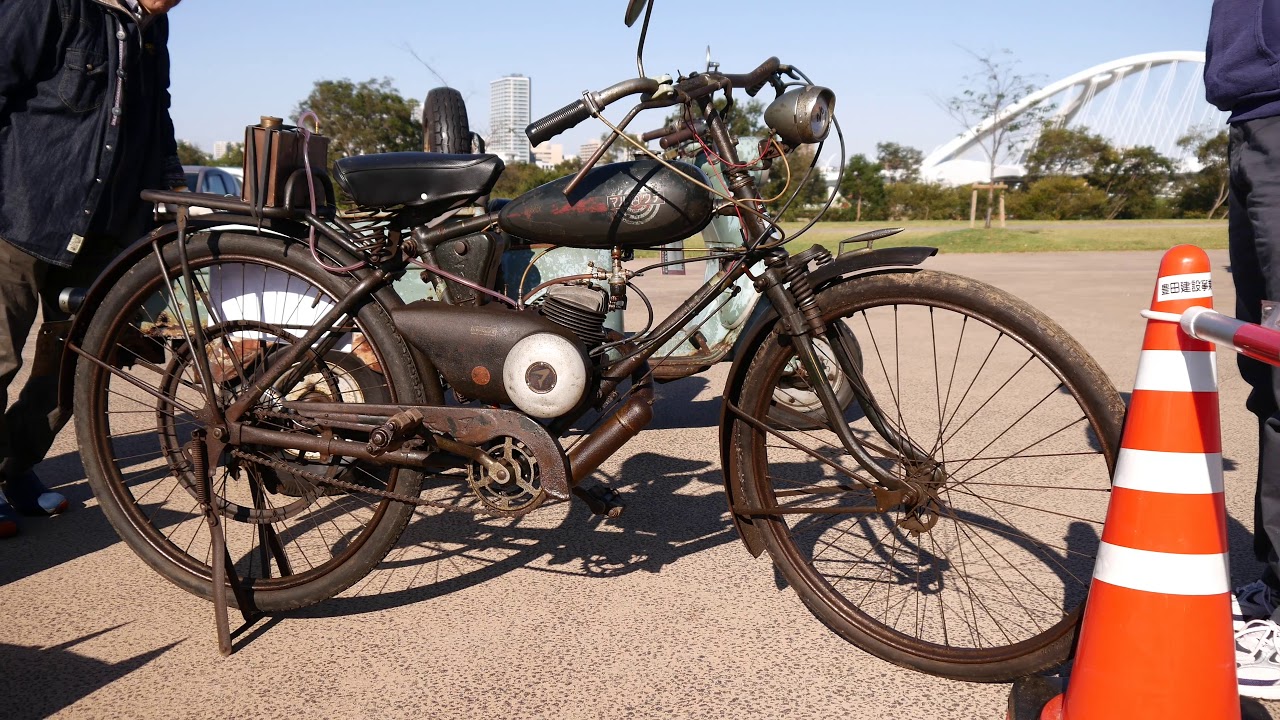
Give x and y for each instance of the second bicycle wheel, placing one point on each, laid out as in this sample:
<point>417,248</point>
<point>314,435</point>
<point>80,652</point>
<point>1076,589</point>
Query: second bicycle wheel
<point>1008,431</point>
<point>293,539</point>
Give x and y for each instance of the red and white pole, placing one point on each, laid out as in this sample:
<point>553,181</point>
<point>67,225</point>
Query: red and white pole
<point>1258,342</point>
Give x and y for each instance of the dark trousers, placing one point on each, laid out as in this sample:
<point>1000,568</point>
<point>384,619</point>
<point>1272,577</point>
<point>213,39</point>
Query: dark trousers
<point>1255,269</point>
<point>28,286</point>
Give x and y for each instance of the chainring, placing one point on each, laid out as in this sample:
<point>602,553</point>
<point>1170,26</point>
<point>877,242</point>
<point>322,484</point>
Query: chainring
<point>521,493</point>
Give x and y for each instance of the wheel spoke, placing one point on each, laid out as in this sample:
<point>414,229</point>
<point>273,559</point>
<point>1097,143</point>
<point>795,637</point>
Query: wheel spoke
<point>1002,460</point>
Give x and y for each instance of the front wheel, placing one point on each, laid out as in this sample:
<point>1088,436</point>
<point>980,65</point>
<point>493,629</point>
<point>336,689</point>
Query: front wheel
<point>1007,430</point>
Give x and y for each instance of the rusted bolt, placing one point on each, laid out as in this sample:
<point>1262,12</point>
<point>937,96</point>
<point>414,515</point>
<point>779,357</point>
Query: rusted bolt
<point>220,433</point>
<point>460,247</point>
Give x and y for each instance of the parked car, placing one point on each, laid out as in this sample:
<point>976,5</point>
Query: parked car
<point>203,179</point>
<point>214,180</point>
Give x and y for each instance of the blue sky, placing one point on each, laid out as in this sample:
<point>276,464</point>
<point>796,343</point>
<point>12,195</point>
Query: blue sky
<point>888,62</point>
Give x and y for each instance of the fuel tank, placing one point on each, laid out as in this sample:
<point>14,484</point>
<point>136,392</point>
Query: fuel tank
<point>635,204</point>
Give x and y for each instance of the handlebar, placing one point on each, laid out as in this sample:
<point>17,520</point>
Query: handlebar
<point>543,129</point>
<point>755,80</point>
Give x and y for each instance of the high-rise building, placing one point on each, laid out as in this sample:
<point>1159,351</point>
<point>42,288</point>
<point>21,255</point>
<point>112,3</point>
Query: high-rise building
<point>220,148</point>
<point>548,155</point>
<point>587,149</point>
<point>508,117</point>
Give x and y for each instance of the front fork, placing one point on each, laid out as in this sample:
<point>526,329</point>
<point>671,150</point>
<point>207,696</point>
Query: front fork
<point>785,282</point>
<point>800,318</point>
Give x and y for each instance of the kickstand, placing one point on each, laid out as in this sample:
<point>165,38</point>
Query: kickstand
<point>223,567</point>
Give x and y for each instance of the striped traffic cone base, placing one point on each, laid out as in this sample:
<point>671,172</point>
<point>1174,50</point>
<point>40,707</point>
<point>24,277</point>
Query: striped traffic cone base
<point>1156,640</point>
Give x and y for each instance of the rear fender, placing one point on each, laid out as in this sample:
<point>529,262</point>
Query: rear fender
<point>226,222</point>
<point>838,270</point>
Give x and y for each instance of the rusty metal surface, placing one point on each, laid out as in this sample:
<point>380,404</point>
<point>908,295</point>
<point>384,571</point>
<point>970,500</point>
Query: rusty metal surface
<point>614,432</point>
<point>473,426</point>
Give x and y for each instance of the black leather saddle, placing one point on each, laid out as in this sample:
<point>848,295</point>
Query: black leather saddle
<point>431,183</point>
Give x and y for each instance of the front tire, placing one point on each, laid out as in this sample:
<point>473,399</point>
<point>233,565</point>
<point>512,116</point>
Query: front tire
<point>984,578</point>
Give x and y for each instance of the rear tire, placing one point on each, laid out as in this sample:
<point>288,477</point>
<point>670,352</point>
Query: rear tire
<point>290,547</point>
<point>444,122</point>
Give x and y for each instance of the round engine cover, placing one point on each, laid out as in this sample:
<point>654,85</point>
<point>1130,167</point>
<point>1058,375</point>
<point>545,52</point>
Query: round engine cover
<point>545,375</point>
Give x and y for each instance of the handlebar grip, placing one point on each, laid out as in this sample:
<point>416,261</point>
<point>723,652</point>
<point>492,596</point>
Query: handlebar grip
<point>543,129</point>
<point>753,81</point>
<point>659,133</point>
<point>675,138</point>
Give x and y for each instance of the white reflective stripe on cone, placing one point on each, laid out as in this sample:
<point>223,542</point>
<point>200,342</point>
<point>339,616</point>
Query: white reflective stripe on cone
<point>1165,573</point>
<point>1177,371</point>
<point>1169,472</point>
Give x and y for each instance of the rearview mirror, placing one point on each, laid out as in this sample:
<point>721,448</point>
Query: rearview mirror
<point>634,8</point>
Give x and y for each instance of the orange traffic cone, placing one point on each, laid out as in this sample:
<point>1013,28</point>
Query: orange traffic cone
<point>1156,639</point>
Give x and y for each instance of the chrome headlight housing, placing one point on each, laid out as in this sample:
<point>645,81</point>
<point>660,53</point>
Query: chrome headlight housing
<point>802,115</point>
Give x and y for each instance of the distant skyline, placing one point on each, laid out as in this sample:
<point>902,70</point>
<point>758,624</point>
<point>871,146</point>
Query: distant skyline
<point>890,64</point>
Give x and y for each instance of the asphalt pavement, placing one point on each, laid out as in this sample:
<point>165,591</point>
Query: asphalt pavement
<point>661,613</point>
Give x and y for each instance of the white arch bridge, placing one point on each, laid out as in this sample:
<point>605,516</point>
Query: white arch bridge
<point>1152,99</point>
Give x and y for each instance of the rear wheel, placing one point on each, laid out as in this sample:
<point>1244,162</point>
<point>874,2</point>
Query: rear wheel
<point>444,122</point>
<point>1008,431</point>
<point>294,540</point>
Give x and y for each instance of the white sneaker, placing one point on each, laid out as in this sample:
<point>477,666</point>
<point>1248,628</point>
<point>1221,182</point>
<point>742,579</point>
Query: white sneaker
<point>1254,601</point>
<point>1258,660</point>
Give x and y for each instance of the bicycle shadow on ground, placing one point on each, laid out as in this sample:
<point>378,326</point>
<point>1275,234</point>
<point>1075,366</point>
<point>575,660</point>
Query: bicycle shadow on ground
<point>439,554</point>
<point>38,682</point>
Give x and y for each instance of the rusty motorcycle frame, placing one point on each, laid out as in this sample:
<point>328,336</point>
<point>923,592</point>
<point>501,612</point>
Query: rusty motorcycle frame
<point>260,413</point>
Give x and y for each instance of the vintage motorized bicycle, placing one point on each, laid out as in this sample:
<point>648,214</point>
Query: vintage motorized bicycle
<point>925,458</point>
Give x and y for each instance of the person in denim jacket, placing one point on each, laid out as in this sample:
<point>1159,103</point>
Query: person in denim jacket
<point>84,128</point>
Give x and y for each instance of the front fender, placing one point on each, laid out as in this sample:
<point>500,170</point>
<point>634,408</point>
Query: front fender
<point>166,234</point>
<point>838,270</point>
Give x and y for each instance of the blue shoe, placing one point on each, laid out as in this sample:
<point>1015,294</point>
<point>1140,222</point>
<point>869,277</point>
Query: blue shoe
<point>8,519</point>
<point>30,497</point>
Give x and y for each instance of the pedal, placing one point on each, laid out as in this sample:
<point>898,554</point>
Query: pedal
<point>602,500</point>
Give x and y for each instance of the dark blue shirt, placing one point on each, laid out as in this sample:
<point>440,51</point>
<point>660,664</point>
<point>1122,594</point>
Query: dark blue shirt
<point>84,123</point>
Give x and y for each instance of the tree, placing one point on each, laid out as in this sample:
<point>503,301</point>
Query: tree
<point>1059,197</point>
<point>520,178</point>
<point>1132,178</point>
<point>363,118</point>
<point>863,186</point>
<point>993,89</point>
<point>189,154</point>
<point>1066,151</point>
<point>814,192</point>
<point>926,201</point>
<point>1211,152</point>
<point>901,163</point>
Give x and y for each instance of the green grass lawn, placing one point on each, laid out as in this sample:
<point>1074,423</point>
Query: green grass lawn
<point>1028,236</point>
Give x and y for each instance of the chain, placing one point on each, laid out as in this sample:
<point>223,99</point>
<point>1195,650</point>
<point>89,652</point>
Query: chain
<point>354,487</point>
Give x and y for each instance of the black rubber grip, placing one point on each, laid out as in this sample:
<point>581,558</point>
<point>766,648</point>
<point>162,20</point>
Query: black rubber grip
<point>543,129</point>
<point>753,81</point>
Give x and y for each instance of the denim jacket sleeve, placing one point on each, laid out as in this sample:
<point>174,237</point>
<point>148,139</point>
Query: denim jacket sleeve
<point>28,29</point>
<point>174,177</point>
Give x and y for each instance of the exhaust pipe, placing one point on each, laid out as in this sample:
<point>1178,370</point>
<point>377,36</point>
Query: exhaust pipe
<point>625,423</point>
